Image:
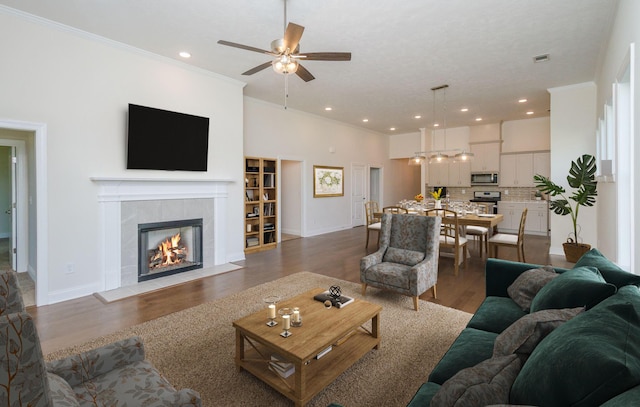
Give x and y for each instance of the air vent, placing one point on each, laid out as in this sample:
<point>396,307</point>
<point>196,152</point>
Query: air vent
<point>541,58</point>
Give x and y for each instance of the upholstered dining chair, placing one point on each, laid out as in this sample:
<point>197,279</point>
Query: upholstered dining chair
<point>451,236</point>
<point>479,233</point>
<point>407,259</point>
<point>394,209</point>
<point>509,240</point>
<point>371,208</point>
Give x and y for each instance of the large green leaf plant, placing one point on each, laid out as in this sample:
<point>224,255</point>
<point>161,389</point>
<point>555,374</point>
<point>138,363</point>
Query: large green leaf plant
<point>582,178</point>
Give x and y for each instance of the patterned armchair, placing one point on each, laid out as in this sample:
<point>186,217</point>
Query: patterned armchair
<point>407,260</point>
<point>113,375</point>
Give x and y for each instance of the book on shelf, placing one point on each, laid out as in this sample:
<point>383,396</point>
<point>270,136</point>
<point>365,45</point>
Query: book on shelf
<point>252,241</point>
<point>282,367</point>
<point>269,226</point>
<point>340,302</point>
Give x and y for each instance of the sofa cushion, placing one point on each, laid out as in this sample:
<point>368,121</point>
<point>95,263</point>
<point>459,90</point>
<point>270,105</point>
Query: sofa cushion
<point>582,286</point>
<point>424,395</point>
<point>523,336</point>
<point>486,383</point>
<point>527,285</point>
<point>588,360</point>
<point>403,256</point>
<point>496,314</point>
<point>60,392</point>
<point>388,275</point>
<point>471,347</point>
<point>609,270</point>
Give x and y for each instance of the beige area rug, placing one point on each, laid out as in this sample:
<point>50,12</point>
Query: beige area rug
<point>195,348</point>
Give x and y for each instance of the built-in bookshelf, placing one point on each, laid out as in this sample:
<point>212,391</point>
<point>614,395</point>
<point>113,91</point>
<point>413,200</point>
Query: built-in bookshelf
<point>261,206</point>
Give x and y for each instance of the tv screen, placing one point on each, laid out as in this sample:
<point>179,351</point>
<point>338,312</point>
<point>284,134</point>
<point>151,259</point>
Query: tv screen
<point>163,140</point>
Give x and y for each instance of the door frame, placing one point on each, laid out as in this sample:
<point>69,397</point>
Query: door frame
<point>42,256</point>
<point>365,192</point>
<point>303,203</point>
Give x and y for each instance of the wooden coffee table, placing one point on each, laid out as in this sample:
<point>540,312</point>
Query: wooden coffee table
<point>346,330</point>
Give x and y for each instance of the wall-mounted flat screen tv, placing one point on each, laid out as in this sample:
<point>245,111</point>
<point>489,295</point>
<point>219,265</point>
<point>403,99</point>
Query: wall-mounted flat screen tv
<point>163,140</point>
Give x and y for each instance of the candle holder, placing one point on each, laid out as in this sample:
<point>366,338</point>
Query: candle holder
<point>296,318</point>
<point>286,321</point>
<point>271,301</point>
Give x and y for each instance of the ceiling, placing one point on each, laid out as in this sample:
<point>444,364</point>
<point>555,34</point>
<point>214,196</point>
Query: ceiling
<point>400,50</point>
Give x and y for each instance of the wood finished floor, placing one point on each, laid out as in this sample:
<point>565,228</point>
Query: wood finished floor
<point>335,254</point>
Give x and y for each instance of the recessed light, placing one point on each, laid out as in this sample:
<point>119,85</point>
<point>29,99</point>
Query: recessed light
<point>328,108</point>
<point>436,125</point>
<point>185,54</point>
<point>530,112</point>
<point>464,109</point>
<point>417,116</point>
<point>522,100</point>
<point>392,128</point>
<point>478,119</point>
<point>365,120</point>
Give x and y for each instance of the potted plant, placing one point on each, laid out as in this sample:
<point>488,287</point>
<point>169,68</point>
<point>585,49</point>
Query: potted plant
<point>582,178</point>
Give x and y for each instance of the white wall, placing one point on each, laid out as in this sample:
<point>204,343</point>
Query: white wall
<point>290,197</point>
<point>312,138</point>
<point>80,86</point>
<point>405,181</point>
<point>484,132</point>
<point>404,145</point>
<point>573,126</point>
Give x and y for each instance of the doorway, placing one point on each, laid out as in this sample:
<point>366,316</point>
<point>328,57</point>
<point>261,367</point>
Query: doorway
<point>375,185</point>
<point>291,199</point>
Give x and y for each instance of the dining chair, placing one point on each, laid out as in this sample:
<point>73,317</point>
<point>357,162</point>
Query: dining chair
<point>371,208</point>
<point>394,209</point>
<point>510,240</point>
<point>479,233</point>
<point>451,236</point>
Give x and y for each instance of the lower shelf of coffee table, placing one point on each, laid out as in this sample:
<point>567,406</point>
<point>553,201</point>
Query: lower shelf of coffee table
<point>318,372</point>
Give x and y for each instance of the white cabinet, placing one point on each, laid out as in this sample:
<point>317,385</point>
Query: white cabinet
<point>459,174</point>
<point>537,218</point>
<point>542,164</point>
<point>516,170</point>
<point>438,174</point>
<point>511,211</point>
<point>486,157</point>
<point>537,222</point>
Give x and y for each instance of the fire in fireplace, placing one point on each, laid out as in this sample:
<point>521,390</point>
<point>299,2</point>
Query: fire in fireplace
<point>169,247</point>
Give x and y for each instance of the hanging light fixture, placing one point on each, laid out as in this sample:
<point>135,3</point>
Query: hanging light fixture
<point>417,159</point>
<point>464,156</point>
<point>439,157</point>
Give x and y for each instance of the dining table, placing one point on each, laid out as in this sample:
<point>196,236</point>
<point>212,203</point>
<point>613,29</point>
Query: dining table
<point>489,221</point>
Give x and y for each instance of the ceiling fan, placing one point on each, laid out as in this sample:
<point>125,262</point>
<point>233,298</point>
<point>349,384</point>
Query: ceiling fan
<point>286,53</point>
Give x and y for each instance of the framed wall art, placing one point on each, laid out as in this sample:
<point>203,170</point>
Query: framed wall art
<point>328,181</point>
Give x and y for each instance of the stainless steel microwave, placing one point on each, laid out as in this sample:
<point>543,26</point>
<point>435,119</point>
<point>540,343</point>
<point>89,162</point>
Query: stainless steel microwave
<point>484,178</point>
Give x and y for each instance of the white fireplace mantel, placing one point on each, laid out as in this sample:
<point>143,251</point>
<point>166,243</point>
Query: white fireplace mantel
<point>113,191</point>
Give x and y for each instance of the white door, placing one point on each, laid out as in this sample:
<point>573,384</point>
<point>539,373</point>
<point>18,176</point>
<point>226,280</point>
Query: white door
<point>358,194</point>
<point>14,197</point>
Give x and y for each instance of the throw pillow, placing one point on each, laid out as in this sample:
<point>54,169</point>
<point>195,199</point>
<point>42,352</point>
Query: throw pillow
<point>609,270</point>
<point>523,336</point>
<point>488,382</point>
<point>403,256</point>
<point>578,287</point>
<point>588,360</point>
<point>527,285</point>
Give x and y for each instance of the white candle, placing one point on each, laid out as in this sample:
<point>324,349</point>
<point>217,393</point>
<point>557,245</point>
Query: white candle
<point>286,319</point>
<point>272,311</point>
<point>296,316</point>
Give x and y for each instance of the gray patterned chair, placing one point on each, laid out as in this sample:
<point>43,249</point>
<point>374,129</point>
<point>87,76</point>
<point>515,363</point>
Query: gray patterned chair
<point>113,375</point>
<point>407,260</point>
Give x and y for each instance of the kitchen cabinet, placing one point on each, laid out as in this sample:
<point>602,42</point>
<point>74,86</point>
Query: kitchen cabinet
<point>542,163</point>
<point>537,222</point>
<point>516,170</point>
<point>486,157</point>
<point>459,174</point>
<point>537,218</point>
<point>438,174</point>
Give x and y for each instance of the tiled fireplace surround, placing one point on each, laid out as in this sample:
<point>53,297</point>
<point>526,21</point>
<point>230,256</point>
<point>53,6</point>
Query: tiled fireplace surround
<point>125,203</point>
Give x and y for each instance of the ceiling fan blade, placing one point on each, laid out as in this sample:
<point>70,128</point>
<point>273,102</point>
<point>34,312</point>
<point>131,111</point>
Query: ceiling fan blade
<point>304,74</point>
<point>292,36</point>
<point>257,68</point>
<point>326,56</point>
<point>247,47</point>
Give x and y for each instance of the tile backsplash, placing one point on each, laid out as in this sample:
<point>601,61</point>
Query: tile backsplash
<point>514,194</point>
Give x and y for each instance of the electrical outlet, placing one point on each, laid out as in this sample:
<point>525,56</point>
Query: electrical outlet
<point>70,269</point>
<point>463,192</point>
<point>506,192</point>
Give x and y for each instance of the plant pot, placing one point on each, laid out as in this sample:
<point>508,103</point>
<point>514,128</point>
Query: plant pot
<point>573,251</point>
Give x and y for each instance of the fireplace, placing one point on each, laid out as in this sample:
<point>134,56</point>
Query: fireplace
<point>166,248</point>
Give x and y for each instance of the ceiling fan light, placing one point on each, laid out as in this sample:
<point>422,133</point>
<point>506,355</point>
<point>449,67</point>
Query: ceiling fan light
<point>285,65</point>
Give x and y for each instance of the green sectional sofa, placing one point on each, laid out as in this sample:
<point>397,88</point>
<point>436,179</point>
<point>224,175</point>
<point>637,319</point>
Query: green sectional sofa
<point>547,337</point>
